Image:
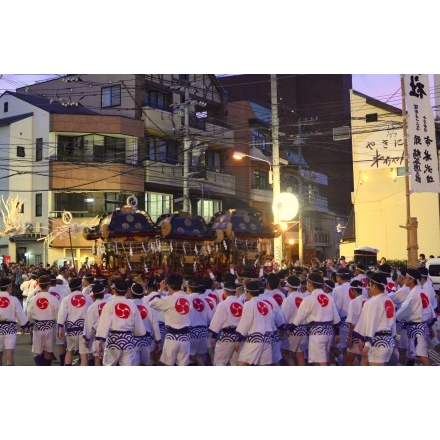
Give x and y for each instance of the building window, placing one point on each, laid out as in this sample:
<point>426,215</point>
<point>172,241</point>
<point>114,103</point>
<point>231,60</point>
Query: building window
<point>157,204</point>
<point>20,151</point>
<point>207,208</point>
<point>5,107</point>
<point>108,149</point>
<point>159,100</point>
<point>95,148</point>
<point>38,205</point>
<point>372,117</point>
<point>261,180</point>
<point>38,259</point>
<point>39,149</point>
<point>162,150</point>
<point>213,161</point>
<point>292,183</point>
<point>111,96</point>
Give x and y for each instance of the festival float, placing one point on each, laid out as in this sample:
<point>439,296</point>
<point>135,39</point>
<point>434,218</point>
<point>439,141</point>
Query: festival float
<point>180,242</point>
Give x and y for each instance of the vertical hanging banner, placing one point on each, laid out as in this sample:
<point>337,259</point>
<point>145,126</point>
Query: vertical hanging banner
<point>422,147</point>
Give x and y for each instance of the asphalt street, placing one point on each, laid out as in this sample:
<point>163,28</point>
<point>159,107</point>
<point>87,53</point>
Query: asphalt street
<point>24,356</point>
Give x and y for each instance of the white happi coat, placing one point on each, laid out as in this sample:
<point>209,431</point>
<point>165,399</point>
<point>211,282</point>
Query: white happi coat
<point>377,316</point>
<point>11,312</point>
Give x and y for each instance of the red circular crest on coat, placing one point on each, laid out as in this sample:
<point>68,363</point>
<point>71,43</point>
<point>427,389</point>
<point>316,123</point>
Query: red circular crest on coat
<point>224,296</point>
<point>210,302</point>
<point>389,308</point>
<point>214,297</point>
<point>363,302</point>
<point>122,310</point>
<point>425,300</point>
<point>78,301</point>
<point>351,294</point>
<point>268,302</point>
<point>55,294</point>
<point>182,306</point>
<point>42,303</point>
<point>262,307</point>
<point>198,304</point>
<point>100,307</point>
<point>364,282</point>
<point>278,298</point>
<point>4,302</point>
<point>236,309</point>
<point>323,300</point>
<point>142,310</point>
<point>390,286</point>
<point>298,301</point>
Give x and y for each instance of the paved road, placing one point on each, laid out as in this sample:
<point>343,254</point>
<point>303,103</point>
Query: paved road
<point>23,352</point>
<point>24,356</point>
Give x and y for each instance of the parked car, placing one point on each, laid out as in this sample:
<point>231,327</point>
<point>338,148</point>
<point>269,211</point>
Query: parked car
<point>433,266</point>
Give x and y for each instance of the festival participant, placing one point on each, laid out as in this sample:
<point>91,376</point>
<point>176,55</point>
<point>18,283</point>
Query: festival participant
<point>296,339</point>
<point>144,345</point>
<point>254,345</point>
<point>386,269</point>
<point>87,283</point>
<point>419,315</point>
<point>11,313</point>
<point>354,311</point>
<point>328,286</point>
<point>57,289</point>
<point>71,318</point>
<point>341,295</point>
<point>273,296</point>
<point>92,320</point>
<point>119,324</point>
<point>428,287</point>
<point>359,274</point>
<point>176,307</point>
<point>63,275</point>
<point>42,311</point>
<point>200,317</point>
<point>223,325</point>
<point>376,325</point>
<point>29,283</point>
<point>318,310</point>
<point>398,298</point>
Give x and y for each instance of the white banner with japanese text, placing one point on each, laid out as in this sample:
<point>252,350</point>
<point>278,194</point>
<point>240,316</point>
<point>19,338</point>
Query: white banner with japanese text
<point>421,142</point>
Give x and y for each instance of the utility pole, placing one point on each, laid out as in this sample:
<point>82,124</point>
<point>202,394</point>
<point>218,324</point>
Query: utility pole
<point>186,146</point>
<point>186,106</point>
<point>276,185</point>
<point>300,198</point>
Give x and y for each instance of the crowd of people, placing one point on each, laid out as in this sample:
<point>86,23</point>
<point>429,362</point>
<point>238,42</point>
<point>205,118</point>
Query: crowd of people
<point>318,314</point>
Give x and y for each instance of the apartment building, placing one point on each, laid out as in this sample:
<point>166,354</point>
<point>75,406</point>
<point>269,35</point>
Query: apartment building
<point>91,141</point>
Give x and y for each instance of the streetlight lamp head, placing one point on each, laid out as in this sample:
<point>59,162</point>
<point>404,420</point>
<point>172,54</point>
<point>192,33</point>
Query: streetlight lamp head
<point>285,206</point>
<point>238,156</point>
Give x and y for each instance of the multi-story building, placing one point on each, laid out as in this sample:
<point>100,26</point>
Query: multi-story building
<point>90,141</point>
<point>379,217</point>
<point>314,120</point>
<point>93,140</point>
<point>319,167</point>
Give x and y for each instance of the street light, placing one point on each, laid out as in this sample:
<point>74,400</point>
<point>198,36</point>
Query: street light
<point>284,205</point>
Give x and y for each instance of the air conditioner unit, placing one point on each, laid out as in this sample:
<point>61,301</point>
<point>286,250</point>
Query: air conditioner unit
<point>29,228</point>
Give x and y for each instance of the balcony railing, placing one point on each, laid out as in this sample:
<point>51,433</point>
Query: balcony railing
<point>316,238</point>
<point>218,182</point>
<point>316,203</point>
